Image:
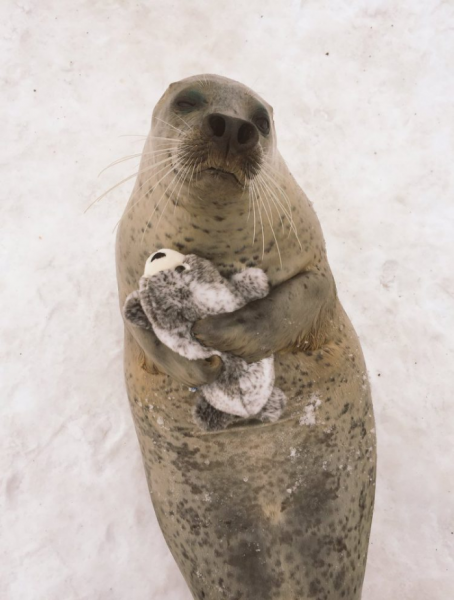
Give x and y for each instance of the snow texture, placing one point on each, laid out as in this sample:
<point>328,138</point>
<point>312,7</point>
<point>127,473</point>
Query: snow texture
<point>363,98</point>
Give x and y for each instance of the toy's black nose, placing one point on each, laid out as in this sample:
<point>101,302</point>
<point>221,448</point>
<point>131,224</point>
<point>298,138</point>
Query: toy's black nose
<point>230,133</point>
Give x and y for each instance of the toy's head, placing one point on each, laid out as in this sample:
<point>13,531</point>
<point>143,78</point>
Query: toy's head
<point>164,260</point>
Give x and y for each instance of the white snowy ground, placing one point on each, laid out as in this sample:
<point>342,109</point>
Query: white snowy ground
<point>363,95</point>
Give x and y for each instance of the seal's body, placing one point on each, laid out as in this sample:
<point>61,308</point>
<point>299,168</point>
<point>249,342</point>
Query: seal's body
<point>273,511</point>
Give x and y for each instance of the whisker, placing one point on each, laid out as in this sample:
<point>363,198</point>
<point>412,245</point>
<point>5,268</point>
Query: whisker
<point>174,166</point>
<point>131,156</point>
<point>254,232</point>
<point>177,177</point>
<point>269,217</point>
<point>187,124</point>
<point>169,124</point>
<point>277,204</point>
<point>166,139</point>
<point>120,160</point>
<point>109,190</point>
<point>288,215</point>
<point>142,196</point>
<point>249,201</point>
<point>270,200</point>
<point>261,220</point>
<point>183,179</point>
<point>279,187</point>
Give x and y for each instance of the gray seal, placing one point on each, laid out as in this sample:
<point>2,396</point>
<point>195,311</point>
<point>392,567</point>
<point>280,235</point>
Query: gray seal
<point>266,511</point>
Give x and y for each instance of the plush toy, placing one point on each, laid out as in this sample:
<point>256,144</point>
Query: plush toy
<point>177,290</point>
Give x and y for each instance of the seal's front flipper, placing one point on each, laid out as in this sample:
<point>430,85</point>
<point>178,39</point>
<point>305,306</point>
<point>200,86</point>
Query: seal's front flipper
<point>211,419</point>
<point>296,311</point>
<point>190,373</point>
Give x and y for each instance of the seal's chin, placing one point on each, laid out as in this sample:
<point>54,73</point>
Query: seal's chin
<point>221,174</point>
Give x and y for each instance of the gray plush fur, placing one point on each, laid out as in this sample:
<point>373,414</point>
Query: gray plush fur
<point>172,300</point>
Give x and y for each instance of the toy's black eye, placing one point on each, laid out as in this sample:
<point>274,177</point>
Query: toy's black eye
<point>158,255</point>
<point>263,124</point>
<point>180,269</point>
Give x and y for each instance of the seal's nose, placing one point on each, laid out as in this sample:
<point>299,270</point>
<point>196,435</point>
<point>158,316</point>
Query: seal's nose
<point>230,133</point>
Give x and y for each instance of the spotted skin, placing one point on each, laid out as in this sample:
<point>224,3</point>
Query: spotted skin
<point>266,511</point>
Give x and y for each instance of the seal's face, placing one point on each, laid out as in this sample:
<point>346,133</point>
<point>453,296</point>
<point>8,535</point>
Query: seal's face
<point>216,129</point>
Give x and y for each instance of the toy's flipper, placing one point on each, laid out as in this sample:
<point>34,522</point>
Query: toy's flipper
<point>133,311</point>
<point>251,283</point>
<point>272,410</point>
<point>209,418</point>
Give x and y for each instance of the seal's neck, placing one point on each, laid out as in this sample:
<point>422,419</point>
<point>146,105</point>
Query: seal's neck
<point>273,228</point>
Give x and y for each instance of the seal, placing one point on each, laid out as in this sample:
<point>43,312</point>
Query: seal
<point>269,511</point>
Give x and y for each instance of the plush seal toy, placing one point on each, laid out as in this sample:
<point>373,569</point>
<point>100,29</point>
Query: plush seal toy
<point>174,292</point>
<point>256,511</point>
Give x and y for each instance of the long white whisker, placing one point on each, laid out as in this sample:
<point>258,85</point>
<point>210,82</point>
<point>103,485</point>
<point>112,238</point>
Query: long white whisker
<point>269,199</point>
<point>287,214</point>
<point>182,179</point>
<point>261,220</point>
<point>146,192</point>
<point>277,175</point>
<point>169,124</point>
<point>164,139</point>
<point>131,156</point>
<point>275,201</point>
<point>159,201</point>
<point>187,124</point>
<point>174,166</point>
<point>109,190</point>
<point>118,161</point>
<point>249,201</point>
<point>270,221</point>
<point>251,198</point>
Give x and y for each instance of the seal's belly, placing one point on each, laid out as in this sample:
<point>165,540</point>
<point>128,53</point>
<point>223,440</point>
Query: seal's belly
<point>268,511</point>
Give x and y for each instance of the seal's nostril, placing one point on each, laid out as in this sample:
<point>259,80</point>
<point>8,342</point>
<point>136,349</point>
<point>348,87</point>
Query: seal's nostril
<point>217,125</point>
<point>245,133</point>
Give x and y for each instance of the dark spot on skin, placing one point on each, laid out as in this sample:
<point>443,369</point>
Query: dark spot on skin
<point>252,573</point>
<point>315,588</point>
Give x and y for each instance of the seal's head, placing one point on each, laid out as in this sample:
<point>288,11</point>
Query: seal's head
<point>218,131</point>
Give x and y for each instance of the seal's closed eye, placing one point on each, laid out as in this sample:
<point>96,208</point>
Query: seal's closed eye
<point>188,100</point>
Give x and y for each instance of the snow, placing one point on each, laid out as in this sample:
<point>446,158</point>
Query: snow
<point>309,414</point>
<point>363,100</point>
